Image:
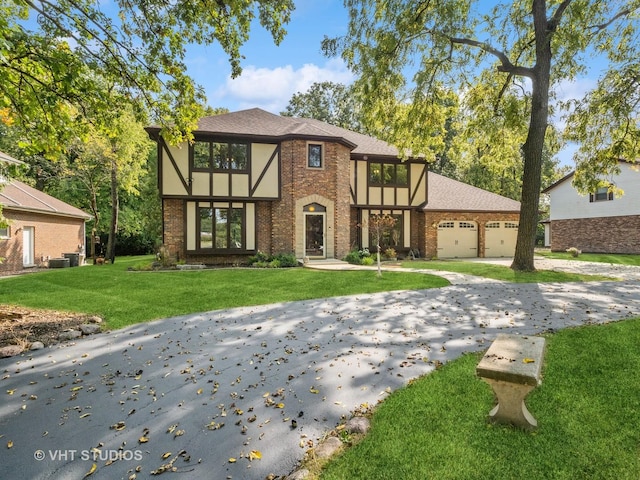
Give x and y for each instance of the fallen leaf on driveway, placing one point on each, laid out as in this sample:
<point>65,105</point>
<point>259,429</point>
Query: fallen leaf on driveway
<point>255,455</point>
<point>91,471</point>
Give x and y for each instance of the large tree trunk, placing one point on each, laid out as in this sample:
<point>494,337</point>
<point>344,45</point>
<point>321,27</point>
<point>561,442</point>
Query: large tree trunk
<point>533,146</point>
<point>113,228</point>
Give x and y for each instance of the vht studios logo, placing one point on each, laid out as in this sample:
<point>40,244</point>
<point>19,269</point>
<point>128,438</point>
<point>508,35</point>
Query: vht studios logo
<point>93,455</point>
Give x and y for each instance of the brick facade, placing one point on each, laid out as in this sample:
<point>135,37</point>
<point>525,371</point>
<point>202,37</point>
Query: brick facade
<point>432,219</point>
<point>279,222</point>
<point>53,236</point>
<point>597,235</point>
<point>173,221</point>
<point>299,182</point>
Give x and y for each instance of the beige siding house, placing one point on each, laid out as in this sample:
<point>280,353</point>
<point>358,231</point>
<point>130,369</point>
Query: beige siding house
<point>40,227</point>
<point>254,181</point>
<point>599,222</point>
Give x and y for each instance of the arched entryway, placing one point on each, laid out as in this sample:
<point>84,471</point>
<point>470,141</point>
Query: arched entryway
<point>315,220</point>
<point>315,217</point>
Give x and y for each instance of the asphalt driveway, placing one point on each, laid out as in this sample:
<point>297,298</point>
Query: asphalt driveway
<point>258,385</point>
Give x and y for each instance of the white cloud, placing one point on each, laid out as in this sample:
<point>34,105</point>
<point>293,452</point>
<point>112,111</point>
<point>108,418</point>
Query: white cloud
<point>272,88</point>
<point>576,89</point>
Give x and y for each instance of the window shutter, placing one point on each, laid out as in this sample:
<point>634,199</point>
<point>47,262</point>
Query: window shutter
<point>591,197</point>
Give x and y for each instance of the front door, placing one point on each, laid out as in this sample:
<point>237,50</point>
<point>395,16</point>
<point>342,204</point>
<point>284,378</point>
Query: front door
<point>314,235</point>
<point>28,247</point>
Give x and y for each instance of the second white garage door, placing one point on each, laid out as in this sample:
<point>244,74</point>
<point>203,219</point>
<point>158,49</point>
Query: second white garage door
<point>457,239</point>
<point>500,239</point>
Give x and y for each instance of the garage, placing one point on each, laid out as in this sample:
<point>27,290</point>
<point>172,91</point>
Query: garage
<point>500,239</point>
<point>457,239</point>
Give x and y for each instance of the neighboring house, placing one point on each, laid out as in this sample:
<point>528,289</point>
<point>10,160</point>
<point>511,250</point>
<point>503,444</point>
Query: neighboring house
<point>599,222</point>
<point>40,227</point>
<point>254,181</point>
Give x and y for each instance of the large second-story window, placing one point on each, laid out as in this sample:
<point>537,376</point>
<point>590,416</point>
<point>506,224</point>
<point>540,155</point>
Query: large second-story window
<point>390,174</point>
<point>221,228</point>
<point>220,155</point>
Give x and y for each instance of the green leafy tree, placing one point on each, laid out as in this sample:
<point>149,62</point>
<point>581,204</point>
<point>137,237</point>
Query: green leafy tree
<point>407,52</point>
<point>606,126</point>
<point>129,149</point>
<point>330,102</point>
<point>52,70</point>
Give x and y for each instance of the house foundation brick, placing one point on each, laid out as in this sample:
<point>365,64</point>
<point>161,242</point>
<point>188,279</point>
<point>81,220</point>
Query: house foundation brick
<point>597,235</point>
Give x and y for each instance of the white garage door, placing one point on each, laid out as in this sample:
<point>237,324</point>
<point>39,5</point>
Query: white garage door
<point>457,239</point>
<point>500,239</point>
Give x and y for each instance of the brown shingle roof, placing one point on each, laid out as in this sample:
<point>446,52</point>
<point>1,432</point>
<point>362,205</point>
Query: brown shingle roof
<point>260,123</point>
<point>15,195</point>
<point>446,194</point>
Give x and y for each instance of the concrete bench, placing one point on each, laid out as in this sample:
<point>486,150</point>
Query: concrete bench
<point>512,366</point>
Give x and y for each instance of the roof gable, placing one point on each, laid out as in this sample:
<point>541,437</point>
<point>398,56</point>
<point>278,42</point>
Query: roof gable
<point>621,161</point>
<point>15,195</point>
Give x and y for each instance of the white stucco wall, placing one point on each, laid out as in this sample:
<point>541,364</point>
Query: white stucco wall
<point>566,202</point>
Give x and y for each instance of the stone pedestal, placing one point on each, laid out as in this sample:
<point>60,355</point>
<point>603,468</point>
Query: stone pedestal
<point>513,366</point>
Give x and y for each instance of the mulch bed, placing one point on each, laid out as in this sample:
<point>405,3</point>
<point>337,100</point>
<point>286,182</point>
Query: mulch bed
<point>23,326</point>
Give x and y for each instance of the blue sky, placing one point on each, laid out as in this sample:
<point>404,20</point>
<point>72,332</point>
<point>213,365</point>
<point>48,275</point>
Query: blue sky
<point>272,74</point>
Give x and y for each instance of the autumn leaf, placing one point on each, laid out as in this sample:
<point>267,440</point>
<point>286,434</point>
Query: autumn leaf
<point>255,455</point>
<point>314,390</point>
<point>143,439</point>
<point>528,360</point>
<point>91,471</point>
<point>10,444</point>
<point>232,460</point>
<point>166,455</point>
<point>118,426</point>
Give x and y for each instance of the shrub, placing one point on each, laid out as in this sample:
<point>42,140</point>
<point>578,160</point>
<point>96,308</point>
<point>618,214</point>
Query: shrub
<point>259,257</point>
<point>353,257</point>
<point>574,251</point>
<point>389,253</point>
<point>163,256</point>
<point>281,260</point>
<point>286,260</point>
<point>358,257</point>
<point>368,261</point>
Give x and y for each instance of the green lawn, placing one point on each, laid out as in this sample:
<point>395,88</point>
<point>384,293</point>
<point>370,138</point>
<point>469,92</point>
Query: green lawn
<point>588,411</point>
<point>593,257</point>
<point>124,297</point>
<point>499,272</point>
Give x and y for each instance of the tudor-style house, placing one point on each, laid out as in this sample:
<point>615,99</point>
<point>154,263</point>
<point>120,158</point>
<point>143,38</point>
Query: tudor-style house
<point>254,181</point>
